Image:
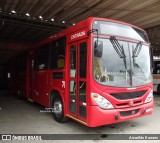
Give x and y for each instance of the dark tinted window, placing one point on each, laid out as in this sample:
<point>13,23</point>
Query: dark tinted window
<point>83,59</point>
<point>57,59</point>
<point>41,57</point>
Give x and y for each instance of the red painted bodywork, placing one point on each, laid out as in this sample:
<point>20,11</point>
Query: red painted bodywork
<point>40,88</point>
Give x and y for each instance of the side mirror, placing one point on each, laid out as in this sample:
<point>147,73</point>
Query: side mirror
<point>151,58</point>
<point>98,49</point>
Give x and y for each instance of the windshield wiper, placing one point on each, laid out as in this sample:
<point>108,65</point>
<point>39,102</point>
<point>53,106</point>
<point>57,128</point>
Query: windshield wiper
<point>135,53</point>
<point>119,49</point>
<point>137,49</point>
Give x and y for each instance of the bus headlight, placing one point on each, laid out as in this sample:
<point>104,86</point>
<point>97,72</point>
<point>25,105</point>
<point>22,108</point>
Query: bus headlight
<point>101,101</point>
<point>149,97</point>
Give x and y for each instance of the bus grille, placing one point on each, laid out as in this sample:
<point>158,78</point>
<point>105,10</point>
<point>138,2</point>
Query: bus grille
<point>128,95</point>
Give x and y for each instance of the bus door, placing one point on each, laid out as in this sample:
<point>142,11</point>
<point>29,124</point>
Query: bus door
<point>77,79</point>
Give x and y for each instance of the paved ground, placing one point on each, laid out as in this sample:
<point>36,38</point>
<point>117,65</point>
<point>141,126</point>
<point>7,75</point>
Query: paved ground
<point>20,116</point>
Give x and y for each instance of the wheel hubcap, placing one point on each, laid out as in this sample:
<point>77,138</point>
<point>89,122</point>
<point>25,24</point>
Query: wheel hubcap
<point>57,108</point>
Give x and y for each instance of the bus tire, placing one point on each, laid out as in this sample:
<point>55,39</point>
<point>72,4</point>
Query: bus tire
<point>158,89</point>
<point>58,110</point>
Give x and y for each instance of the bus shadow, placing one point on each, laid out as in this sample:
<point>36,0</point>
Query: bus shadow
<point>77,128</point>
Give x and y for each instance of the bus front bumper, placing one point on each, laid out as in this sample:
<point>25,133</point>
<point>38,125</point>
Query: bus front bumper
<point>99,117</point>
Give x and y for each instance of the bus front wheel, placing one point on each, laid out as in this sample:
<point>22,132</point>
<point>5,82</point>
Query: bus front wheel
<point>58,110</point>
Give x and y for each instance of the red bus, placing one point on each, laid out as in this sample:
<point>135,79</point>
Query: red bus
<point>96,72</point>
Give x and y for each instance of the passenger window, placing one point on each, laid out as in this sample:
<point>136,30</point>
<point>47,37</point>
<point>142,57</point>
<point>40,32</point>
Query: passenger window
<point>83,60</point>
<point>73,61</point>
<point>57,60</point>
<point>42,57</point>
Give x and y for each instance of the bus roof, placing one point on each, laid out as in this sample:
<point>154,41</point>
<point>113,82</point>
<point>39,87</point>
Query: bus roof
<point>86,23</point>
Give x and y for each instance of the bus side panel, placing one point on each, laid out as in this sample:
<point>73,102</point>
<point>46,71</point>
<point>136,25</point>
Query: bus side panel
<point>56,84</point>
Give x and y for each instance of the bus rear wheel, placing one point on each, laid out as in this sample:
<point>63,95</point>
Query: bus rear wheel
<point>58,110</point>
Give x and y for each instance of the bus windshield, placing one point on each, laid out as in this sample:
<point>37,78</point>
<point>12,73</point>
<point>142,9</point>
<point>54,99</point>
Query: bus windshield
<point>117,29</point>
<point>130,67</point>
